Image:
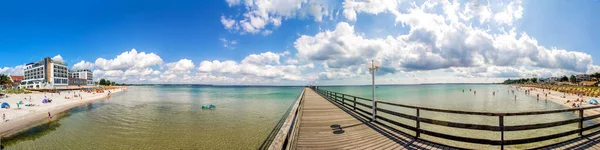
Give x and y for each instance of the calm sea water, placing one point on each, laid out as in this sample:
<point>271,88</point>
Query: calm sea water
<point>167,117</point>
<point>451,96</point>
<point>171,117</point>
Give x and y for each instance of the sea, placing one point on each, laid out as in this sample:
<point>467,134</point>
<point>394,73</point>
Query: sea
<point>172,117</point>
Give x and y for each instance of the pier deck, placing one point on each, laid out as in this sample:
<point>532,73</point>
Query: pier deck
<point>322,120</point>
<point>316,131</point>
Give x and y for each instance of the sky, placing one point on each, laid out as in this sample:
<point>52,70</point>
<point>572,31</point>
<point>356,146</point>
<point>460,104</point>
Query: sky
<point>288,42</point>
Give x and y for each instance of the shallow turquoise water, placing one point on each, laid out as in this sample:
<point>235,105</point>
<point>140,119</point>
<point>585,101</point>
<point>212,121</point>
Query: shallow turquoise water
<point>168,117</point>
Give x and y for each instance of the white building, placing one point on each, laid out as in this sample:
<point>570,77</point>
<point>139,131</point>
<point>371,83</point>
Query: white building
<point>81,77</point>
<point>583,77</point>
<point>45,74</point>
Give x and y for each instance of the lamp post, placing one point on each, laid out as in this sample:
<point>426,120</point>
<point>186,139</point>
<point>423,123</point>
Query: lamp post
<point>373,66</point>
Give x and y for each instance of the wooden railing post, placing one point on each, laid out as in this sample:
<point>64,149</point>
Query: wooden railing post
<point>580,121</point>
<point>501,124</point>
<point>343,98</point>
<point>354,103</point>
<point>418,124</point>
<point>335,97</point>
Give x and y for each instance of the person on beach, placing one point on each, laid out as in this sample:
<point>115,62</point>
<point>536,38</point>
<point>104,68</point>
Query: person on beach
<point>3,117</point>
<point>49,116</point>
<point>494,93</point>
<point>515,97</point>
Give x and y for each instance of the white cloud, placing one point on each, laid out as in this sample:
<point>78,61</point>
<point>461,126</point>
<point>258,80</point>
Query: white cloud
<point>82,65</point>
<point>17,70</point>
<point>262,59</point>
<point>129,60</point>
<point>228,43</point>
<point>351,7</point>
<point>229,24</point>
<point>58,58</point>
<point>512,12</point>
<point>435,41</point>
<point>183,65</point>
<point>262,16</point>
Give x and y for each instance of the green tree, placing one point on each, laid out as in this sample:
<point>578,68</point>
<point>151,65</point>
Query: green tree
<point>534,80</point>
<point>573,79</point>
<point>564,79</point>
<point>596,75</point>
<point>113,83</point>
<point>102,82</point>
<point>5,80</point>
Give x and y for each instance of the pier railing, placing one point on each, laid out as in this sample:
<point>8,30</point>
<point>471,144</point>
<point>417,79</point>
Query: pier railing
<point>351,102</point>
<point>284,133</point>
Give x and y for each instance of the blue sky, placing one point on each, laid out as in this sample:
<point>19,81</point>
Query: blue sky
<point>194,31</point>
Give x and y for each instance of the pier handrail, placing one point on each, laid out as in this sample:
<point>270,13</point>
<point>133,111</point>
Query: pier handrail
<point>350,102</point>
<point>284,139</point>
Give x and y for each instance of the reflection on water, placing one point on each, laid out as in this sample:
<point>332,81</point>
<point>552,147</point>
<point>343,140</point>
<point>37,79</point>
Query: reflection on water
<point>167,118</point>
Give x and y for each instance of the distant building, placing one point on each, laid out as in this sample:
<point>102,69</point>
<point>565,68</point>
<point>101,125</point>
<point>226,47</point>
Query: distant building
<point>16,80</point>
<point>45,74</point>
<point>81,77</point>
<point>583,77</point>
<point>551,80</point>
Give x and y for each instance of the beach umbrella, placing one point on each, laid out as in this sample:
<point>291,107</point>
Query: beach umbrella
<point>593,101</point>
<point>5,105</point>
<point>44,100</point>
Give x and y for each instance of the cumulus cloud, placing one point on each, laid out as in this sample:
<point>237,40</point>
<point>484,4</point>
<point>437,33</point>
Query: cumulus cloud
<point>263,66</point>
<point>82,65</point>
<point>17,70</point>
<point>131,66</point>
<point>183,65</point>
<point>262,16</point>
<point>436,40</point>
<point>129,60</point>
<point>351,7</point>
<point>58,58</point>
<point>229,24</point>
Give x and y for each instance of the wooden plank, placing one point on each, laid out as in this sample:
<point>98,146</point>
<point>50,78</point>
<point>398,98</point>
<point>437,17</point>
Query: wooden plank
<point>282,135</point>
<point>319,114</point>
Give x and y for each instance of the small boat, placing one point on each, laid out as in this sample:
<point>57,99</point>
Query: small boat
<point>211,106</point>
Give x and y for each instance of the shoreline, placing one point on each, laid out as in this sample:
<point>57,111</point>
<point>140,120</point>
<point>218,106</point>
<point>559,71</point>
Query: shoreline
<point>19,120</point>
<point>556,97</point>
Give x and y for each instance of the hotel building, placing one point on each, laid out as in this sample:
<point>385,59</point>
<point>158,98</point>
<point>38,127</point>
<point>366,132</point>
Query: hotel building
<point>81,77</point>
<point>47,73</point>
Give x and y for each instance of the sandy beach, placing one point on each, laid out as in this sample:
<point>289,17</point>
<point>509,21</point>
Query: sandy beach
<point>23,117</point>
<point>560,98</point>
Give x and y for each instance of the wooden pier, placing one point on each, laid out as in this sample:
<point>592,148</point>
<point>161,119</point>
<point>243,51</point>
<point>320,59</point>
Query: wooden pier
<point>323,119</point>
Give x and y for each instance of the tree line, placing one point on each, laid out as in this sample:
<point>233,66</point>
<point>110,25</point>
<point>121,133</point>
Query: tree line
<point>572,79</point>
<point>106,82</point>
